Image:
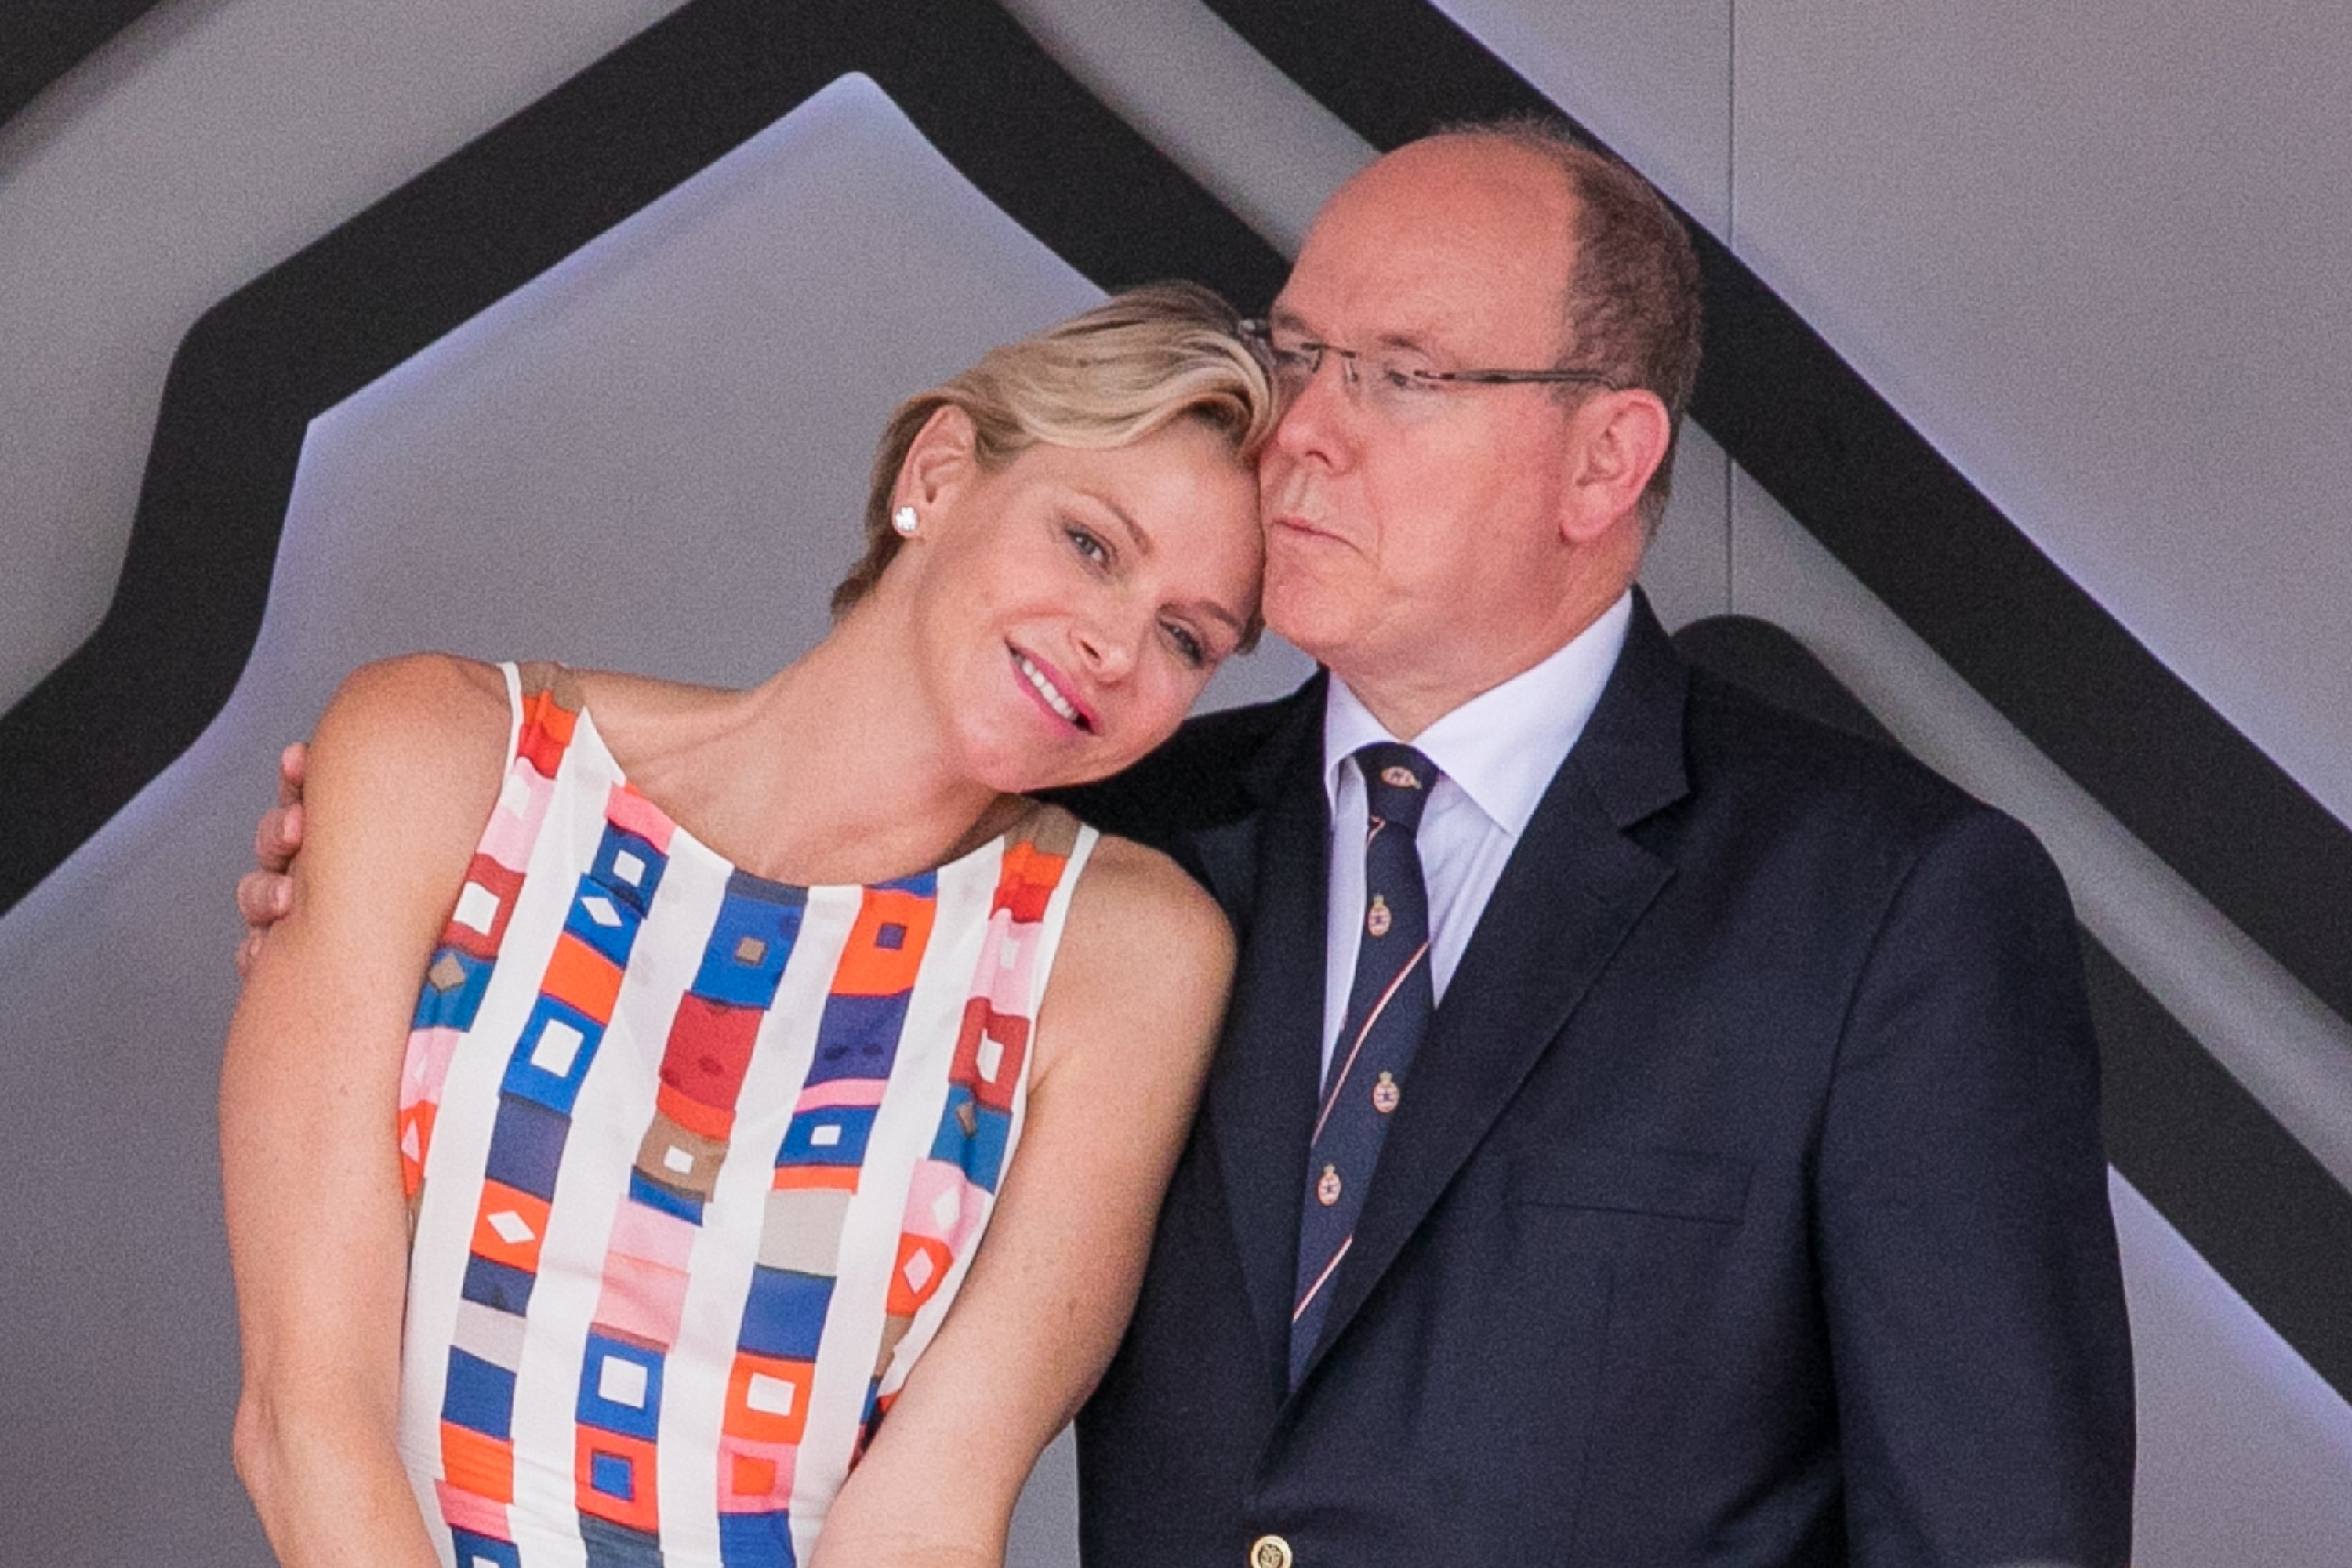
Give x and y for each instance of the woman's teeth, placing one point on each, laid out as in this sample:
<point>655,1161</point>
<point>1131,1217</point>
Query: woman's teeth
<point>1054,698</point>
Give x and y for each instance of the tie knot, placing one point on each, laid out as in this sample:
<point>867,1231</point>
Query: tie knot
<point>1397,782</point>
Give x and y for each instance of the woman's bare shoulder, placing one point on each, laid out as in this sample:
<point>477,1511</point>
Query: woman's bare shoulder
<point>419,740</point>
<point>1135,886</point>
<point>1146,956</point>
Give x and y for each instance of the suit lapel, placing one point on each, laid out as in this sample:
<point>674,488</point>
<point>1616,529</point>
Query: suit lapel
<point>1572,890</point>
<point>1261,1094</point>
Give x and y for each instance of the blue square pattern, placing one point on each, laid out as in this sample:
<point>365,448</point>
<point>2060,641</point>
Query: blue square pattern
<point>749,942</point>
<point>474,1549</point>
<point>453,1008</point>
<point>756,1540</point>
<point>603,919</point>
<point>527,1145</point>
<point>980,1154</point>
<point>827,1135</point>
<point>613,1475</point>
<point>552,1055</point>
<point>498,1285</point>
<point>923,884</point>
<point>662,1199</point>
<point>480,1396</point>
<point>628,867</point>
<point>620,1388</point>
<point>784,1313</point>
<point>857,1037</point>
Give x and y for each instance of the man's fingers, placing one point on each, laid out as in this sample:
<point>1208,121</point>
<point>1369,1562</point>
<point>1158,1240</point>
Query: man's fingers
<point>277,836</point>
<point>292,763</point>
<point>263,897</point>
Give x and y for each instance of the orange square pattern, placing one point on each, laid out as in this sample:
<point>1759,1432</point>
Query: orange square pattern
<point>1025,885</point>
<point>578,976</point>
<point>692,1114</point>
<point>915,1279</point>
<point>789,1176</point>
<point>498,1198</point>
<point>546,730</point>
<point>642,1508</point>
<point>478,1463</point>
<point>417,1118</point>
<point>743,1420</point>
<point>869,969</point>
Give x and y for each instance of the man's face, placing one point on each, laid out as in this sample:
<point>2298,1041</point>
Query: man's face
<point>1419,544</point>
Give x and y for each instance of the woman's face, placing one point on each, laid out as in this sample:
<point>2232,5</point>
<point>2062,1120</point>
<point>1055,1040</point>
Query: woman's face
<point>1071,605</point>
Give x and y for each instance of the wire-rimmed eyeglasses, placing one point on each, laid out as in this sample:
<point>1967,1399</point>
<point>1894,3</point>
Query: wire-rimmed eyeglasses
<point>1396,381</point>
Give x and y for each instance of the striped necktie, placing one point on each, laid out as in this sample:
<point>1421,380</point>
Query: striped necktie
<point>1389,1007</point>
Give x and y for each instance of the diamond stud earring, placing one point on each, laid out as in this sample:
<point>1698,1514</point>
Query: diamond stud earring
<point>904,520</point>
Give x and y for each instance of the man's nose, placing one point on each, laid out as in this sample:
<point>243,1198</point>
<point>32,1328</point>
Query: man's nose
<point>1315,419</point>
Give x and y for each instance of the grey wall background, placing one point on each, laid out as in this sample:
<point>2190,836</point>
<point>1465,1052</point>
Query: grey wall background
<point>2099,260</point>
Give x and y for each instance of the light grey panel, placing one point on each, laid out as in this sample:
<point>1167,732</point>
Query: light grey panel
<point>653,457</point>
<point>210,139</point>
<point>2246,1456</point>
<point>1687,570</point>
<point>2102,256</point>
<point>1652,80</point>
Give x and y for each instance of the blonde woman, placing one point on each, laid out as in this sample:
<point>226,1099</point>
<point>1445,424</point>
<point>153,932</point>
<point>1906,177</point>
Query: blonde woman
<point>612,1123</point>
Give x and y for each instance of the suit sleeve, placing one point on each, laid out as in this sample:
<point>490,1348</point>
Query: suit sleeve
<point>1967,1252</point>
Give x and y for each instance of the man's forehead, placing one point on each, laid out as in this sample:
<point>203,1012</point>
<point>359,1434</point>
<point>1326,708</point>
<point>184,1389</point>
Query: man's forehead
<point>1421,278</point>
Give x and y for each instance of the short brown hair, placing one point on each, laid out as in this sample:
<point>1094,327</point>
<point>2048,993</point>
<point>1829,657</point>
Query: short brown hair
<point>1632,301</point>
<point>1134,365</point>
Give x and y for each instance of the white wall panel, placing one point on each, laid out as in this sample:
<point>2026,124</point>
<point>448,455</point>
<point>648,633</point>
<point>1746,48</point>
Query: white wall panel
<point>207,142</point>
<point>2102,256</point>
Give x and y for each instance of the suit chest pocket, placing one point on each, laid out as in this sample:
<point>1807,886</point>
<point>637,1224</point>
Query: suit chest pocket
<point>1672,1183</point>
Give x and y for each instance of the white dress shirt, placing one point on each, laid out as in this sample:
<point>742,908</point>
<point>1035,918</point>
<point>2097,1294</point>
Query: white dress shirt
<point>1497,753</point>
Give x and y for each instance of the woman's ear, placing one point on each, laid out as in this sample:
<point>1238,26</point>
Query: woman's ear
<point>939,461</point>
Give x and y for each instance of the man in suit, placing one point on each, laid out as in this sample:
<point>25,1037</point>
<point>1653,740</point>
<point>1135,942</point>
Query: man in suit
<point>1648,1130</point>
<point>1687,1150</point>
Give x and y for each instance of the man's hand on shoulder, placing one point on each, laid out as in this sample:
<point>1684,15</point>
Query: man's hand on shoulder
<point>265,893</point>
<point>426,690</point>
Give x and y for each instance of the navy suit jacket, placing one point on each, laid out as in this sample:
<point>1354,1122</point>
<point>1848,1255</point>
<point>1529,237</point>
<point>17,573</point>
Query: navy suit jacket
<point>1746,1204</point>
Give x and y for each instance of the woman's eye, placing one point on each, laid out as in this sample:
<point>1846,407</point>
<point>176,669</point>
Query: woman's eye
<point>1188,644</point>
<point>1085,542</point>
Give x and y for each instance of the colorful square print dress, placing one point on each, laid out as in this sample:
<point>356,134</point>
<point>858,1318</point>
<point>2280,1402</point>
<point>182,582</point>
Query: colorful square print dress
<point>695,1163</point>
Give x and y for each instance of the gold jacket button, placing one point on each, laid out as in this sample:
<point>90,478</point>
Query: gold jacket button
<point>1269,1551</point>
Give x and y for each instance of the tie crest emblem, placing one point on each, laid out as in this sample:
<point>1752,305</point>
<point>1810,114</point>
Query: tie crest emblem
<point>1399,777</point>
<point>1377,919</point>
<point>1327,1189</point>
<point>1385,1095</point>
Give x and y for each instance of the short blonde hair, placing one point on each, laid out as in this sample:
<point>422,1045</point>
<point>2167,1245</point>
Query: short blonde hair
<point>1134,365</point>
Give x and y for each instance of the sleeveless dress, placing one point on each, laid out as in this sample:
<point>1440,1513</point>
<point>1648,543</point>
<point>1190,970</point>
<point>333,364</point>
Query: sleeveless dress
<point>695,1163</point>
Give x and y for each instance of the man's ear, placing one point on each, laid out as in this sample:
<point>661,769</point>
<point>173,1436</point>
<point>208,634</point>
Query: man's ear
<point>939,461</point>
<point>1622,439</point>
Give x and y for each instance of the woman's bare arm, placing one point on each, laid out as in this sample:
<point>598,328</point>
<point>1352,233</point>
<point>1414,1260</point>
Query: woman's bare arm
<point>1124,1035</point>
<point>403,773</point>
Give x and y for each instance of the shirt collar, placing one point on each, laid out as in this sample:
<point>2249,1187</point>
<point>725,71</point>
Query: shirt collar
<point>1503,746</point>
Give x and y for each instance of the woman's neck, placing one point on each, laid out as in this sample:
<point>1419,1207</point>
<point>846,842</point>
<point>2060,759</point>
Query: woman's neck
<point>829,772</point>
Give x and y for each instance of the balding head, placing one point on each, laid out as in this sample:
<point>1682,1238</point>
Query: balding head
<point>1433,530</point>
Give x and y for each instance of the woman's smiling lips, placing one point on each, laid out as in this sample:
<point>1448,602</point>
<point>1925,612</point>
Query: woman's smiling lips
<point>1051,691</point>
